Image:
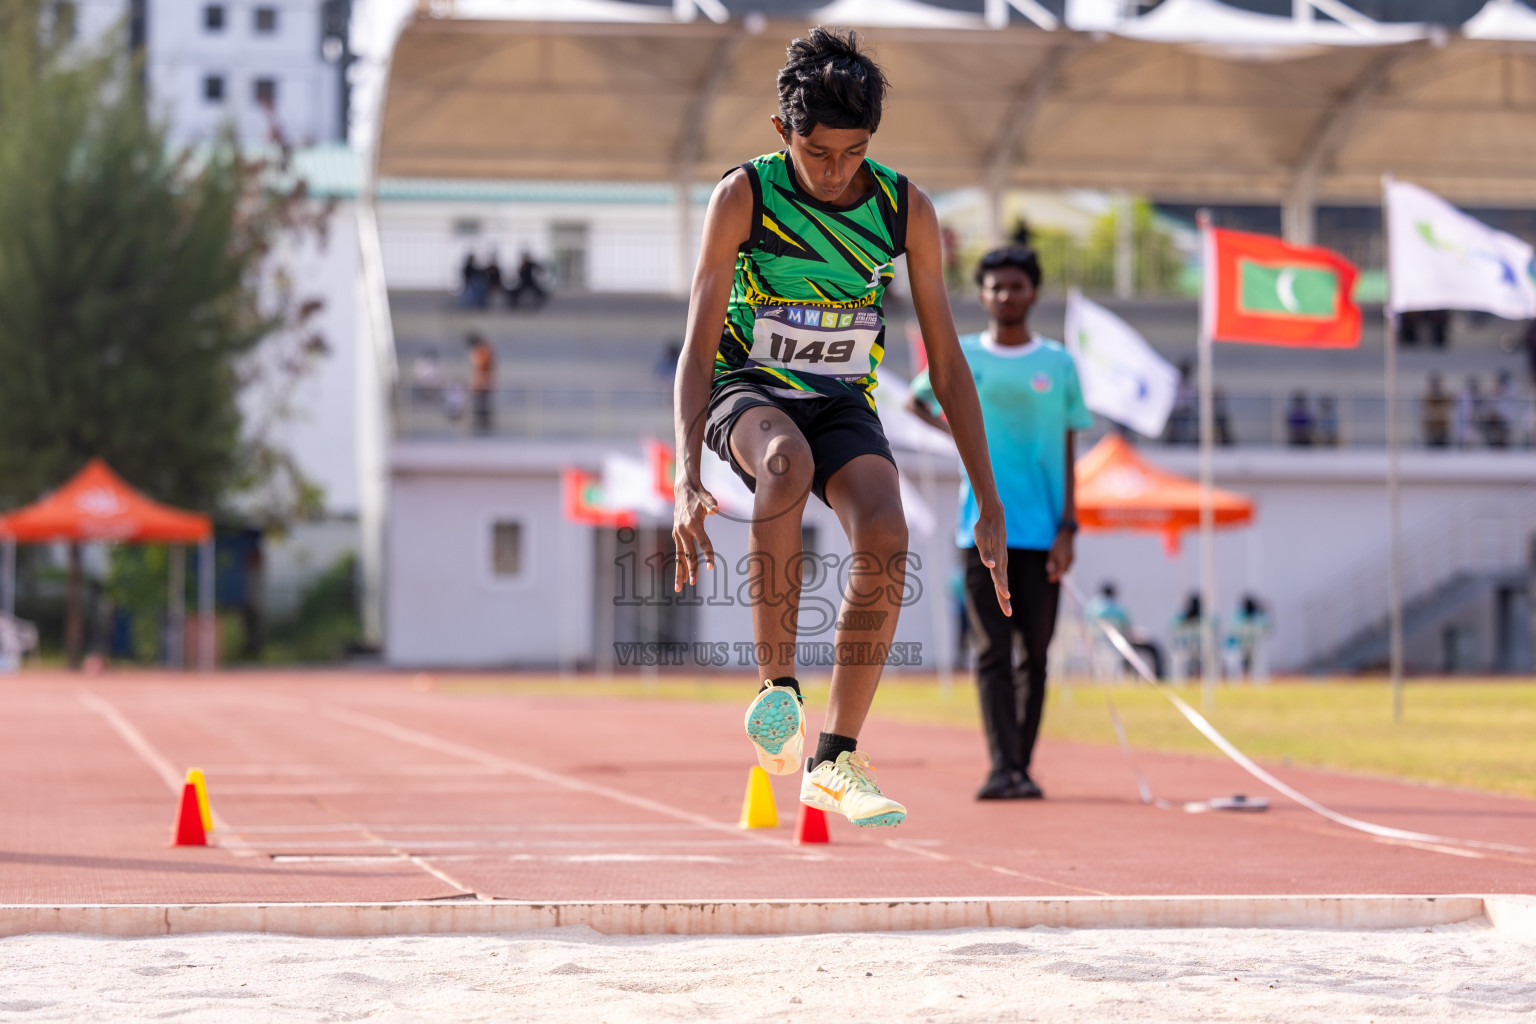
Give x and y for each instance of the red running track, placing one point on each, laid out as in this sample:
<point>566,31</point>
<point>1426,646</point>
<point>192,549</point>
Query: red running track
<point>337,787</point>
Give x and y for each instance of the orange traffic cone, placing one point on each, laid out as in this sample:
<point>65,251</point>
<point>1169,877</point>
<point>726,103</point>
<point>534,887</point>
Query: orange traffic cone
<point>189,820</point>
<point>811,826</point>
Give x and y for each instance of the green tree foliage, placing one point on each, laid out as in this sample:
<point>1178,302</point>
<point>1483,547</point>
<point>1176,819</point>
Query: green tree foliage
<point>131,283</point>
<point>1089,263</point>
<point>325,625</point>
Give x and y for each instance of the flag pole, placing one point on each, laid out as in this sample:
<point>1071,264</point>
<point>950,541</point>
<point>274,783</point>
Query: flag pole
<point>1394,502</point>
<point>1207,472</point>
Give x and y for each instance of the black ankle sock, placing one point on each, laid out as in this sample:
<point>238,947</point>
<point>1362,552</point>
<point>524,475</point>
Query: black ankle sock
<point>789,681</point>
<point>829,745</point>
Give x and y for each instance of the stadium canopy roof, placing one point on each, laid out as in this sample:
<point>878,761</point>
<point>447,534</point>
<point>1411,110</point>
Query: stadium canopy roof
<point>1502,19</point>
<point>1194,101</point>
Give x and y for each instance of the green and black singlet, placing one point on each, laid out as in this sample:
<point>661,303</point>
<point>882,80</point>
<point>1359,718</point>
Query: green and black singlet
<point>805,309</point>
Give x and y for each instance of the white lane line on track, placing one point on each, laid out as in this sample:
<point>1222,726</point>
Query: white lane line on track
<point>430,742</point>
<point>380,842</point>
<point>668,826</point>
<point>897,844</point>
<point>416,737</point>
<point>135,739</point>
<point>407,844</point>
<point>161,766</point>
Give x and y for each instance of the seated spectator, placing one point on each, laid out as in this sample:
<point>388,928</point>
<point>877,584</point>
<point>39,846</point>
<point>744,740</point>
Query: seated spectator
<point>1528,343</point>
<point>1503,412</point>
<point>1468,414</point>
<point>471,283</point>
<point>1250,624</point>
<point>666,363</point>
<point>1326,433</point>
<point>1105,607</point>
<point>1186,641</point>
<point>426,381</point>
<point>1435,414</point>
<point>1298,422</point>
<point>1431,326</point>
<point>1184,421</point>
<point>493,282</point>
<point>528,286</point>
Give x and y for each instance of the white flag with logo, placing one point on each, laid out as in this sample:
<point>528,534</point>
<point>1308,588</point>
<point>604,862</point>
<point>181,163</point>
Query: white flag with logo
<point>627,485</point>
<point>1123,377</point>
<point>1440,258</point>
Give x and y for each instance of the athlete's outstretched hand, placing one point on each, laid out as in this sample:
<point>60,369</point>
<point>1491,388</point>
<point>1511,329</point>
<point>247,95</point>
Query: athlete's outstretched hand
<point>992,546</point>
<point>692,505</point>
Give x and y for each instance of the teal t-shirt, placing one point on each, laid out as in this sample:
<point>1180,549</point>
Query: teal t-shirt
<point>1030,397</point>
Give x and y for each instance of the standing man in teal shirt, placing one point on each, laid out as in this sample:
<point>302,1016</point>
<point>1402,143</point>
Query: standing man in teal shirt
<point>1031,402</point>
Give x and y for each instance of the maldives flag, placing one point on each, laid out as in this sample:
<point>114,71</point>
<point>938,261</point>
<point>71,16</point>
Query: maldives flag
<point>584,502</point>
<point>1263,291</point>
<point>663,461</point>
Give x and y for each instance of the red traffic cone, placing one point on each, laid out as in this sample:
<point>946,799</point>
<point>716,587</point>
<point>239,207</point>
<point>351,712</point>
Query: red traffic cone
<point>811,826</point>
<point>189,820</point>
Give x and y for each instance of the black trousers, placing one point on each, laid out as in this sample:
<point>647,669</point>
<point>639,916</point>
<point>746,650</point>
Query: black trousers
<point>1012,695</point>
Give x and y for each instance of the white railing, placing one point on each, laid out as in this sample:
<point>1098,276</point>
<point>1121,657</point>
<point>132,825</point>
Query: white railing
<point>556,412</point>
<point>1258,413</point>
<point>1480,537</point>
<point>622,398</point>
<point>622,258</point>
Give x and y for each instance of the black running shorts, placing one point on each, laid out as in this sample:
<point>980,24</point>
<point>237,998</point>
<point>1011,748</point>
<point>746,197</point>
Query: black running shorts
<point>838,428</point>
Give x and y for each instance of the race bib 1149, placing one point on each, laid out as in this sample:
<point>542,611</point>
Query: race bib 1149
<point>831,342</point>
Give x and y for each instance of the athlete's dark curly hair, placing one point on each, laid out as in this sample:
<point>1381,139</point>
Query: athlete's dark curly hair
<point>829,80</point>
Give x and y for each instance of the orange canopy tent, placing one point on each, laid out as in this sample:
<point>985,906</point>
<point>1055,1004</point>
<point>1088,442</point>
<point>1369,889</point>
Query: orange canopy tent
<point>98,505</point>
<point>1118,490</point>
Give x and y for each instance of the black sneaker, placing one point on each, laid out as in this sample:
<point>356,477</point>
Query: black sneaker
<point>1023,788</point>
<point>997,786</point>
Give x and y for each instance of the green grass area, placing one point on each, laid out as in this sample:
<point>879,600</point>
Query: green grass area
<point>1472,735</point>
<point>1477,735</point>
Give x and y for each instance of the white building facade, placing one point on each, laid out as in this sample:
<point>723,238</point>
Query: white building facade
<point>273,70</point>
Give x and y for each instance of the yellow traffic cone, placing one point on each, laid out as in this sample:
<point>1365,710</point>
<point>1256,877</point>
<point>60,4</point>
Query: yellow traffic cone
<point>195,779</point>
<point>757,810</point>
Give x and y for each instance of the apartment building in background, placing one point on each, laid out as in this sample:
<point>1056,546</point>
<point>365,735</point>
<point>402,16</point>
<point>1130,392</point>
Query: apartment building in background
<point>274,70</point>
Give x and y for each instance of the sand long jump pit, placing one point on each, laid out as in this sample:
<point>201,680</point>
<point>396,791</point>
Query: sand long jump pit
<point>1463,958</point>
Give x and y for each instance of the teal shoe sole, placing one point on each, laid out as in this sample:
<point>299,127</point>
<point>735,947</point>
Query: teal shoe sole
<point>773,721</point>
<point>888,818</point>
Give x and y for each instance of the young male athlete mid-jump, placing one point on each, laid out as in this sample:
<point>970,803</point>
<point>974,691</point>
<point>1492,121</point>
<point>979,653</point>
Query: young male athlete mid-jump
<point>785,331</point>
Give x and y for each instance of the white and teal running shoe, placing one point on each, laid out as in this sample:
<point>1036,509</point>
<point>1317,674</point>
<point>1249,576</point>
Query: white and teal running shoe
<point>847,786</point>
<point>776,727</point>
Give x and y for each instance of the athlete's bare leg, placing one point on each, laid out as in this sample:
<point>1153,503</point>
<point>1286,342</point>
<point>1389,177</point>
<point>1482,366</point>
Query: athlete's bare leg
<point>866,495</point>
<point>767,444</point>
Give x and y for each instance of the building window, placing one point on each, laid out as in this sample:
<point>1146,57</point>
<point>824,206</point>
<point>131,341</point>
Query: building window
<point>266,92</point>
<point>266,20</point>
<point>213,18</point>
<point>568,242</point>
<point>506,548</point>
<point>213,88</point>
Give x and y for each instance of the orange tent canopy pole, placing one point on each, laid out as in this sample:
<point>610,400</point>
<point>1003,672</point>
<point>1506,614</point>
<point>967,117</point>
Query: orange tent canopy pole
<point>1119,490</point>
<point>98,505</point>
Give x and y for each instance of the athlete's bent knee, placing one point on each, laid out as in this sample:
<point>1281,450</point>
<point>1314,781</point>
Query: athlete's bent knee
<point>785,466</point>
